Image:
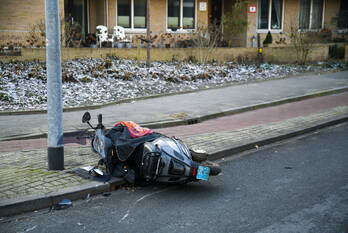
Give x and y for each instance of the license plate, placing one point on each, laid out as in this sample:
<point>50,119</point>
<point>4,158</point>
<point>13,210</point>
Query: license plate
<point>203,173</point>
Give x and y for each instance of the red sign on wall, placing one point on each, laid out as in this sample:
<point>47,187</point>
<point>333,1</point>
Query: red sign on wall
<point>252,9</point>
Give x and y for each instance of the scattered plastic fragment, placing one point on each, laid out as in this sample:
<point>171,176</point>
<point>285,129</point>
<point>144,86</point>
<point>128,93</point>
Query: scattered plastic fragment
<point>87,168</point>
<point>96,172</point>
<point>63,204</point>
<point>31,228</point>
<point>106,194</point>
<point>288,167</point>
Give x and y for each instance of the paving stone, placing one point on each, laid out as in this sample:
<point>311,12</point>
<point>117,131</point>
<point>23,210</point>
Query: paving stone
<point>25,172</point>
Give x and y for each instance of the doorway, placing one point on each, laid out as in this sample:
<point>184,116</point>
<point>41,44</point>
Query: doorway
<point>76,14</point>
<point>216,12</point>
<point>98,13</point>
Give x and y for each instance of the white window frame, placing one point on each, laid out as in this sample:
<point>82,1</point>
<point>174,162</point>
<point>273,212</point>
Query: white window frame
<point>131,29</point>
<point>310,17</point>
<point>269,18</point>
<point>181,30</point>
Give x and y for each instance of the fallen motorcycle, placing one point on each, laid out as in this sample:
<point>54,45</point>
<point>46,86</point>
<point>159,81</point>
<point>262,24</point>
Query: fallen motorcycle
<point>140,155</point>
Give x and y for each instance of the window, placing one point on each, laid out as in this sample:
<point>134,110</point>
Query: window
<point>270,15</point>
<point>342,21</point>
<point>76,12</point>
<point>131,13</point>
<point>311,14</point>
<point>181,14</point>
<point>140,13</point>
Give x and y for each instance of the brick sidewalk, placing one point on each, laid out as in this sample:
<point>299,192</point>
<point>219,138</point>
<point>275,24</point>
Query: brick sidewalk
<point>233,122</point>
<point>212,142</point>
<point>25,172</point>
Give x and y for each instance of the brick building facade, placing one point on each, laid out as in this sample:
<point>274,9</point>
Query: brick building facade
<point>177,19</point>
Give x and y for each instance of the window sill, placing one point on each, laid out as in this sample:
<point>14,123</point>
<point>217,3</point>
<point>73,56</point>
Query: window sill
<point>271,30</point>
<point>135,30</point>
<point>179,31</point>
<point>309,30</point>
<point>342,30</point>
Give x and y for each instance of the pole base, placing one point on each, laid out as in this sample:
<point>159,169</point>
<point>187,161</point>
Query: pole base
<point>55,158</point>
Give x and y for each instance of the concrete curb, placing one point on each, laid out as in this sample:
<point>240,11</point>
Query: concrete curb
<point>35,202</point>
<point>198,119</point>
<point>233,111</point>
<point>16,206</point>
<point>224,152</point>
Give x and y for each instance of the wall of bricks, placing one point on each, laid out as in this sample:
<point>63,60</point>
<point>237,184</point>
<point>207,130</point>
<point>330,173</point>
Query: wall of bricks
<point>158,16</point>
<point>16,17</point>
<point>272,54</point>
<point>291,15</point>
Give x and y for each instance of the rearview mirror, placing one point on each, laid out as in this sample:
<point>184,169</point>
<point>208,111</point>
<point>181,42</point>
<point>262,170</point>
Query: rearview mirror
<point>86,117</point>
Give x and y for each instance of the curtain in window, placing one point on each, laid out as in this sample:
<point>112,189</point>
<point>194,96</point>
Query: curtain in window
<point>305,8</point>
<point>189,14</point>
<point>276,17</point>
<point>173,13</point>
<point>263,14</point>
<point>317,14</point>
<point>140,13</point>
<point>124,13</point>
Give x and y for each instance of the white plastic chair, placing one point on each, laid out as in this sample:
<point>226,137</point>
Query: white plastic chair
<point>119,33</point>
<point>102,35</point>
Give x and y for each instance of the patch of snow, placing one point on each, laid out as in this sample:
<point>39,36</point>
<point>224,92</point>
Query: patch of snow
<point>98,81</point>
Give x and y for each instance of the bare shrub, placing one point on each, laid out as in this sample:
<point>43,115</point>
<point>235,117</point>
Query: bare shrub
<point>303,42</point>
<point>246,60</point>
<point>70,34</point>
<point>206,39</point>
<point>36,36</point>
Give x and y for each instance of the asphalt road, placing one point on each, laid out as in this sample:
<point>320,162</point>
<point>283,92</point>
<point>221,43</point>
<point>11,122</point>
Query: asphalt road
<point>297,186</point>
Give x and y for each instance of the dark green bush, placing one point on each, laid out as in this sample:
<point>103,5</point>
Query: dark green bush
<point>268,39</point>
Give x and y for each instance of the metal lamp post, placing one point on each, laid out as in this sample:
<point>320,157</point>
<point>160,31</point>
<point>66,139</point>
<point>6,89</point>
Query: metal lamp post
<point>55,136</point>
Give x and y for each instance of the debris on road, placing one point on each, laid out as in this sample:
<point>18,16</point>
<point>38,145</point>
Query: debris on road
<point>30,229</point>
<point>106,194</point>
<point>63,204</point>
